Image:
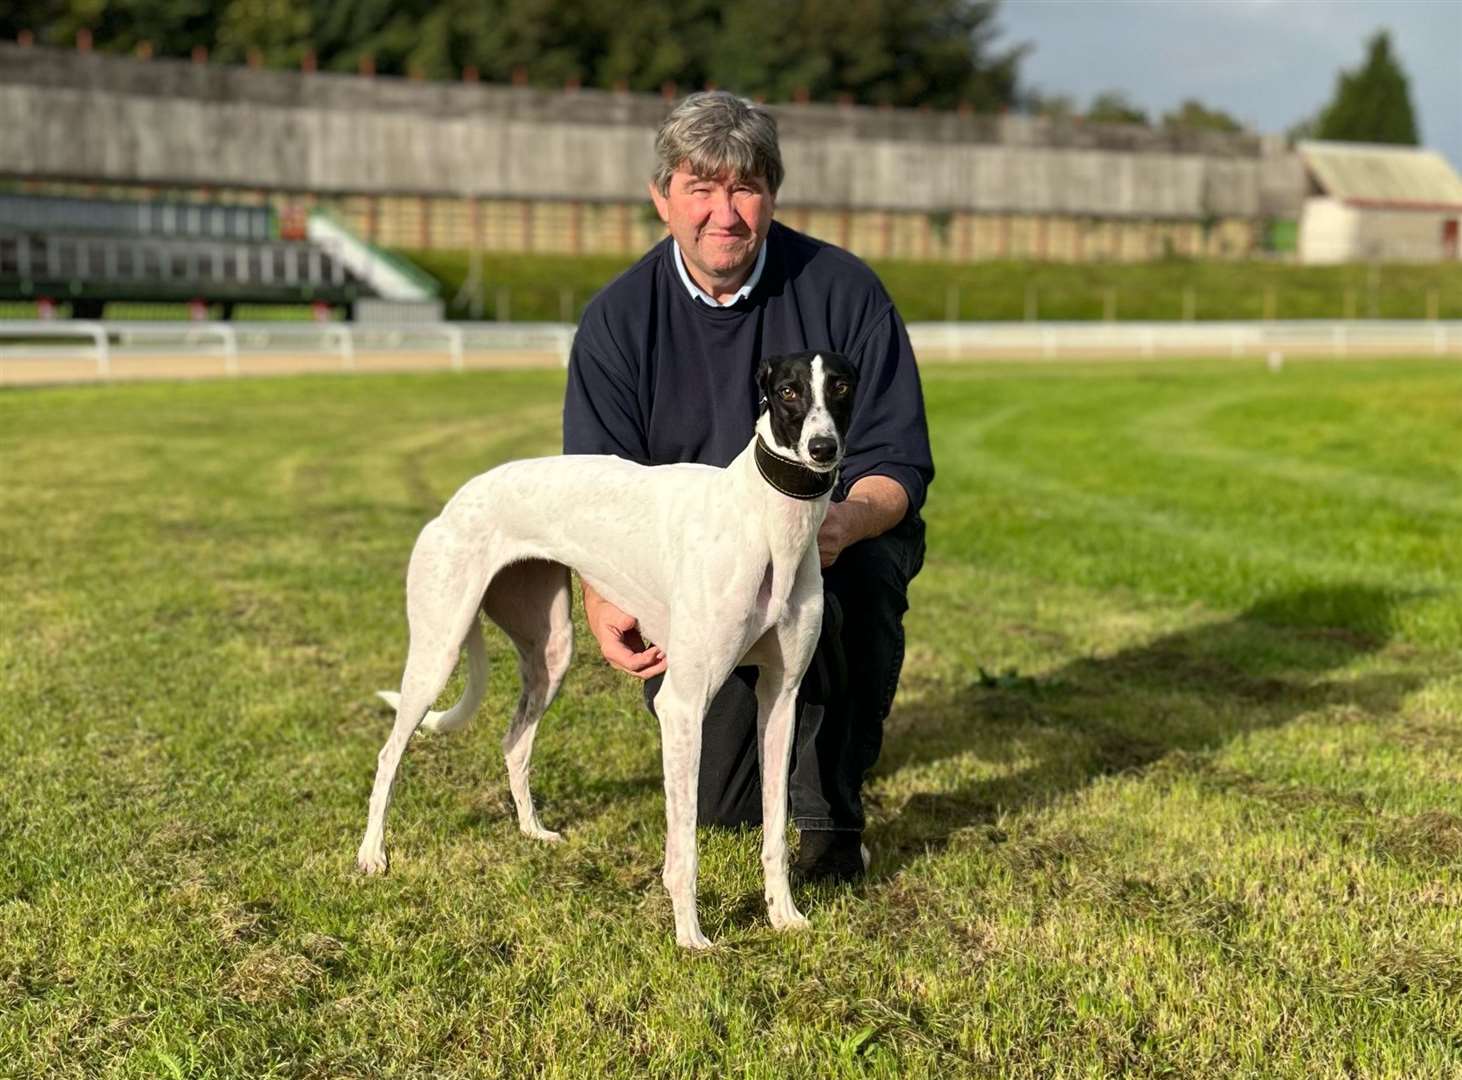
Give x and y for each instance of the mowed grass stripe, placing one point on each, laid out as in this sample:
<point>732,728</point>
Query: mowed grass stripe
<point>1084,475</point>
<point>1171,786</point>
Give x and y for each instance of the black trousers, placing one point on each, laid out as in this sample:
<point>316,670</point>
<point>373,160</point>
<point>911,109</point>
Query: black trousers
<point>844,699</point>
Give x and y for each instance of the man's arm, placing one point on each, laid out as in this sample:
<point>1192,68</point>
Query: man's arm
<point>888,435</point>
<point>618,634</point>
<point>601,415</point>
<point>888,462</point>
<point>874,505</point>
<point>601,409</point>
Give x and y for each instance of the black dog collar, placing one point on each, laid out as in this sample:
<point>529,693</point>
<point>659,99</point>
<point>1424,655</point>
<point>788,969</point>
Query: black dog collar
<point>791,479</point>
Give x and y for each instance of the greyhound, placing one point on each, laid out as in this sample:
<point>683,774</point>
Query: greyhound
<point>720,566</point>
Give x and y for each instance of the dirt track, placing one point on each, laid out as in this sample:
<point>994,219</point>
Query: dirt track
<point>73,368</point>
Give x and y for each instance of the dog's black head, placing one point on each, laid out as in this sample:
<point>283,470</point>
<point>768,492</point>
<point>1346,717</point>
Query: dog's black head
<point>808,398</point>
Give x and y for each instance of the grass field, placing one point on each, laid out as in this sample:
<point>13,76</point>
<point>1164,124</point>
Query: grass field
<point>1171,787</point>
<point>549,286</point>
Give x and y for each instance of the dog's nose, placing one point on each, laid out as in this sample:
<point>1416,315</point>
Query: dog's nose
<point>822,449</point>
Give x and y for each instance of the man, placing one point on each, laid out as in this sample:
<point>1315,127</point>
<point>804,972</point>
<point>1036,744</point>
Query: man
<point>663,370</point>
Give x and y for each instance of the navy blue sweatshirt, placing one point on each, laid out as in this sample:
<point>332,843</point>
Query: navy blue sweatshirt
<point>657,376</point>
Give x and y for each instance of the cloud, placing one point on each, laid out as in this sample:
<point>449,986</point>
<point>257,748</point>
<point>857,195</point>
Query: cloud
<point>1268,62</point>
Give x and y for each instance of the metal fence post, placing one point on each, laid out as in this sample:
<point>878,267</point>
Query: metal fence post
<point>103,350</point>
<point>230,349</point>
<point>454,344</point>
<point>347,347</point>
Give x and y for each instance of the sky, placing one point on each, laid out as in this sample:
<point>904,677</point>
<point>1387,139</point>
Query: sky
<point>1268,63</point>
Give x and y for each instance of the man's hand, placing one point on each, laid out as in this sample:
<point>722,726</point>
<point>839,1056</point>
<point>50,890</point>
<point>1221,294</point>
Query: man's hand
<point>618,634</point>
<point>874,505</point>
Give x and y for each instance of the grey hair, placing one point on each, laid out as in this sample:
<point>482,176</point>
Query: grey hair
<point>718,134</point>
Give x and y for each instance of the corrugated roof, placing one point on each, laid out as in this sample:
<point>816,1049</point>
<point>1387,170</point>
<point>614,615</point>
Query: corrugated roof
<point>1368,174</point>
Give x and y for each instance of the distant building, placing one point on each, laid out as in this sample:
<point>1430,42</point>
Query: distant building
<point>1378,203</point>
<point>413,164</point>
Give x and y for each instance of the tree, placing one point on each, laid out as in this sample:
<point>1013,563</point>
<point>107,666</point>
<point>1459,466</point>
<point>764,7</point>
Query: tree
<point>1371,103</point>
<point>169,27</point>
<point>1112,107</point>
<point>1051,106</point>
<point>940,53</point>
<point>1193,115</point>
<point>277,30</point>
<point>878,52</point>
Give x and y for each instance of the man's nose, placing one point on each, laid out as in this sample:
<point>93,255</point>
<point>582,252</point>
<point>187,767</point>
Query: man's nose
<point>723,210</point>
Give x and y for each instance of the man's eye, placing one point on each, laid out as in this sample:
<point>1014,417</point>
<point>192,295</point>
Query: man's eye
<point>788,393</point>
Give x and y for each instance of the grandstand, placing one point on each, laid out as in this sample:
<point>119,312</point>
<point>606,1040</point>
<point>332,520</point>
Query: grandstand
<point>89,253</point>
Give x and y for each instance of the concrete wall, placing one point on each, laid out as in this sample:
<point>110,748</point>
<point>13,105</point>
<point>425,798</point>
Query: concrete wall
<point>1333,232</point>
<point>113,120</point>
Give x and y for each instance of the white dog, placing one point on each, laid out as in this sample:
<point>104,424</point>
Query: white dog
<point>719,566</point>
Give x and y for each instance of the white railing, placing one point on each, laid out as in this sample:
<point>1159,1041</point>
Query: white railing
<point>73,329</point>
<point>125,348</point>
<point>120,348</point>
<point>391,278</point>
<point>1053,340</point>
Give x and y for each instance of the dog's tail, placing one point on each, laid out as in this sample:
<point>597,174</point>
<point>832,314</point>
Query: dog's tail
<point>472,694</point>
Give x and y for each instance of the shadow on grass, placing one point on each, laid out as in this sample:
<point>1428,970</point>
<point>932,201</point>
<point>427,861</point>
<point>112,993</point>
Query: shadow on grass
<point>1188,692</point>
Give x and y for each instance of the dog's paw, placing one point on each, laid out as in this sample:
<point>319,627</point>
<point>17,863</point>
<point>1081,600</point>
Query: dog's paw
<point>536,831</point>
<point>371,861</point>
<point>693,939</point>
<point>785,916</point>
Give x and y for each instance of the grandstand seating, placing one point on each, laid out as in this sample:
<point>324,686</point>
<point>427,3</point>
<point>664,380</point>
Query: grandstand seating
<point>89,252</point>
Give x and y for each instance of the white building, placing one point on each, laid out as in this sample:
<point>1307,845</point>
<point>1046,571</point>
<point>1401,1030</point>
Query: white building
<point>1378,203</point>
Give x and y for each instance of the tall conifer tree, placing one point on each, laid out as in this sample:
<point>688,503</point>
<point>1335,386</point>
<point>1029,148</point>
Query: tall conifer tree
<point>1372,103</point>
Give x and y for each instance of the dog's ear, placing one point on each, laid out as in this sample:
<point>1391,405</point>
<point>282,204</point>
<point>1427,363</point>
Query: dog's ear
<point>763,384</point>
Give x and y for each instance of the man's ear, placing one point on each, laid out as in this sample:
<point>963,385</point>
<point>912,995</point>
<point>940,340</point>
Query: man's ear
<point>662,203</point>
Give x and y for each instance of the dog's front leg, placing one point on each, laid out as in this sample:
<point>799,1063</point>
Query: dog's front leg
<point>786,653</point>
<point>681,707</point>
<point>776,700</point>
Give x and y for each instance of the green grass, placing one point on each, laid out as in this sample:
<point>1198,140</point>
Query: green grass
<point>543,286</point>
<point>1171,787</point>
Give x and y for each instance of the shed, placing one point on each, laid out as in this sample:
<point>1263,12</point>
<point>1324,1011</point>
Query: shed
<point>1378,203</point>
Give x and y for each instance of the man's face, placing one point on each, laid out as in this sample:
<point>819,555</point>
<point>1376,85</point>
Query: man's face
<point>718,222</point>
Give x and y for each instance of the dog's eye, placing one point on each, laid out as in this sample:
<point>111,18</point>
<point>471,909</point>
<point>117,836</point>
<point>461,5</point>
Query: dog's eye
<point>840,388</point>
<point>787,393</point>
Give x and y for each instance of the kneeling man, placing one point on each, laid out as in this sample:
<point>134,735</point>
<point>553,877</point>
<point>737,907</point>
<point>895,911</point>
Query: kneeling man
<point>663,370</point>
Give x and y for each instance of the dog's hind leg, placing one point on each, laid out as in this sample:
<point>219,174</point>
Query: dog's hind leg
<point>427,671</point>
<point>531,601</point>
<point>439,617</point>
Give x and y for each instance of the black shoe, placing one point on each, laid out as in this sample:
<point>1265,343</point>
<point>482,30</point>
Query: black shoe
<point>830,855</point>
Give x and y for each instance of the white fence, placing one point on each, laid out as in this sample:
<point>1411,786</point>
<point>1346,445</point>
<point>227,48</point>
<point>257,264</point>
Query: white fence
<point>69,349</point>
<point>34,351</point>
<point>1054,340</point>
